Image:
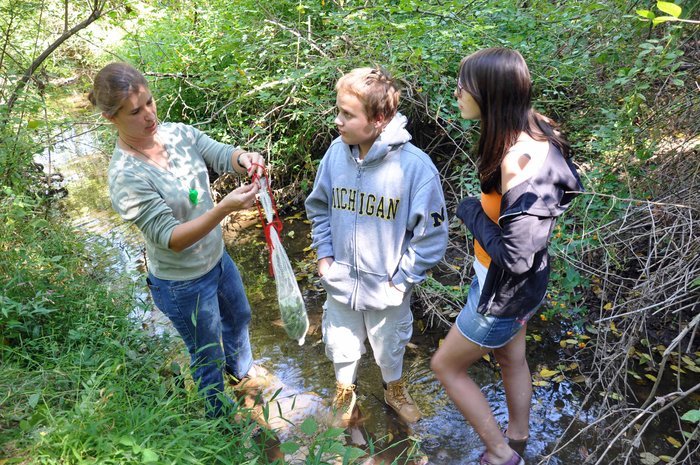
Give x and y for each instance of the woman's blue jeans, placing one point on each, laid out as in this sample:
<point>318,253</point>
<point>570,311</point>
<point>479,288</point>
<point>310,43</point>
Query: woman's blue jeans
<point>211,313</point>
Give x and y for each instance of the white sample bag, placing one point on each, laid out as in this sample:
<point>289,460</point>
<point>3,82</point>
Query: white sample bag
<point>292,307</point>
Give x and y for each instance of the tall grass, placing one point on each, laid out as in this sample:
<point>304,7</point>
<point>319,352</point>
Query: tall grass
<point>79,382</point>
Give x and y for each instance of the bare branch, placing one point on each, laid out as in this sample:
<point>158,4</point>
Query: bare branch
<point>95,14</point>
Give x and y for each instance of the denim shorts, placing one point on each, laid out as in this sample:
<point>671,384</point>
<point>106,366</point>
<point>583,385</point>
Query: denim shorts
<point>487,331</point>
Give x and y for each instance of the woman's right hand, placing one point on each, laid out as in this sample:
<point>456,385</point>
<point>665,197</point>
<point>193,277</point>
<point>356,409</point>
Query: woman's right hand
<point>324,264</point>
<point>241,198</point>
<point>186,234</point>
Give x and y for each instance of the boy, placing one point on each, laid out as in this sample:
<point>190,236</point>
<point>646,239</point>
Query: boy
<point>378,224</point>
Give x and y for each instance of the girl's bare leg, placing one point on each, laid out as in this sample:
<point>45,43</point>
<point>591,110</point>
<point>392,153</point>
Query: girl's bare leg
<point>450,364</point>
<point>517,382</point>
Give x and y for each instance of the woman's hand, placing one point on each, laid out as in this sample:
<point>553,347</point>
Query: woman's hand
<point>324,264</point>
<point>251,162</point>
<point>186,234</point>
<point>240,198</point>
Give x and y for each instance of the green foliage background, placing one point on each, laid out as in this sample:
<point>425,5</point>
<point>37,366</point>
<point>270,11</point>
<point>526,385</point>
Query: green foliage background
<point>263,75</point>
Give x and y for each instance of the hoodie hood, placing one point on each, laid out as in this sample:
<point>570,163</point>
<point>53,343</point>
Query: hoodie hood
<point>392,137</point>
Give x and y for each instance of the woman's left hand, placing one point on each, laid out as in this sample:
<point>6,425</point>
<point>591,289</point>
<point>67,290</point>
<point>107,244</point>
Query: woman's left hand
<point>240,198</point>
<point>252,162</point>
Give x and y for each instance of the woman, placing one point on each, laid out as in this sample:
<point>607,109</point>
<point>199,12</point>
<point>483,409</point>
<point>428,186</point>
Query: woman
<point>158,180</point>
<point>527,181</point>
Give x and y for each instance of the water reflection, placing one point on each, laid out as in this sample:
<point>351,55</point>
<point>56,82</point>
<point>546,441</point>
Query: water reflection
<point>81,156</point>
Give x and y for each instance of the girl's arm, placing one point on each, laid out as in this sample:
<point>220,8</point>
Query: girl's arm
<point>522,161</point>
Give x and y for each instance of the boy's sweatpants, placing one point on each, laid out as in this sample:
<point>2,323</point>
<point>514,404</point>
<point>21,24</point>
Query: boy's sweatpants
<point>345,331</point>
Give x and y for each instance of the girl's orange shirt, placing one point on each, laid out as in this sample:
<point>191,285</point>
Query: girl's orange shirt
<point>491,203</point>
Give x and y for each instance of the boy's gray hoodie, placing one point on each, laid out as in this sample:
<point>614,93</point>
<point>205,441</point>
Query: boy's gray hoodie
<point>382,219</point>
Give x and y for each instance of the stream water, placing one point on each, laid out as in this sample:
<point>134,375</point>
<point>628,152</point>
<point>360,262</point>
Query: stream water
<point>442,435</point>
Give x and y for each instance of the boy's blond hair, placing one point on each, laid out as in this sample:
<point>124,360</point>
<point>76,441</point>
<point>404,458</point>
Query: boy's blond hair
<point>375,88</point>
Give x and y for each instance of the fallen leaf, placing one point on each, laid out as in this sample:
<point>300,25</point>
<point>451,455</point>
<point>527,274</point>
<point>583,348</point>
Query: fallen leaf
<point>583,450</point>
<point>678,369</point>
<point>648,458</point>
<point>547,373</point>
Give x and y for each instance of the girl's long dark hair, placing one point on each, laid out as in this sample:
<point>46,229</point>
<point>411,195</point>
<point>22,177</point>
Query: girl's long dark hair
<point>499,81</point>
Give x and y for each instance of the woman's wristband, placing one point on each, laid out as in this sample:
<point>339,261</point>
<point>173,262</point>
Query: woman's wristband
<point>238,160</point>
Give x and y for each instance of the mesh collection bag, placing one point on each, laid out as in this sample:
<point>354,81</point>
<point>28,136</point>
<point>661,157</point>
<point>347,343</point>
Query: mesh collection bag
<point>292,308</point>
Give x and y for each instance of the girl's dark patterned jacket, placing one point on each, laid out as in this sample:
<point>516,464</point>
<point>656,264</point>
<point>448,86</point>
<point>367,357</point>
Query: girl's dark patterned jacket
<point>517,278</point>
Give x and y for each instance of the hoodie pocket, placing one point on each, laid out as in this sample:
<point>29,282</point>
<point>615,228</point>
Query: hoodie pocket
<point>394,297</point>
<point>338,282</point>
<point>373,292</point>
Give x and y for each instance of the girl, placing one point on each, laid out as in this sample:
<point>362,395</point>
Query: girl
<point>526,181</point>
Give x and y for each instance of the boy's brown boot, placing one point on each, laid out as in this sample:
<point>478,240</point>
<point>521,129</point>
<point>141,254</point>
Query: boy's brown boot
<point>343,403</point>
<point>397,397</point>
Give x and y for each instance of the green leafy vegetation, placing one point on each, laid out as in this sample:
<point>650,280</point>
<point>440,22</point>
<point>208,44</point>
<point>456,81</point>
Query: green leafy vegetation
<point>80,384</point>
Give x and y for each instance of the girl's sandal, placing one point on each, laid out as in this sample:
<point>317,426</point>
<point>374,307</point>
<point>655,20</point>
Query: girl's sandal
<point>516,459</point>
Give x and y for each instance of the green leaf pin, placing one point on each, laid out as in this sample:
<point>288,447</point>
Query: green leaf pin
<point>194,196</point>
